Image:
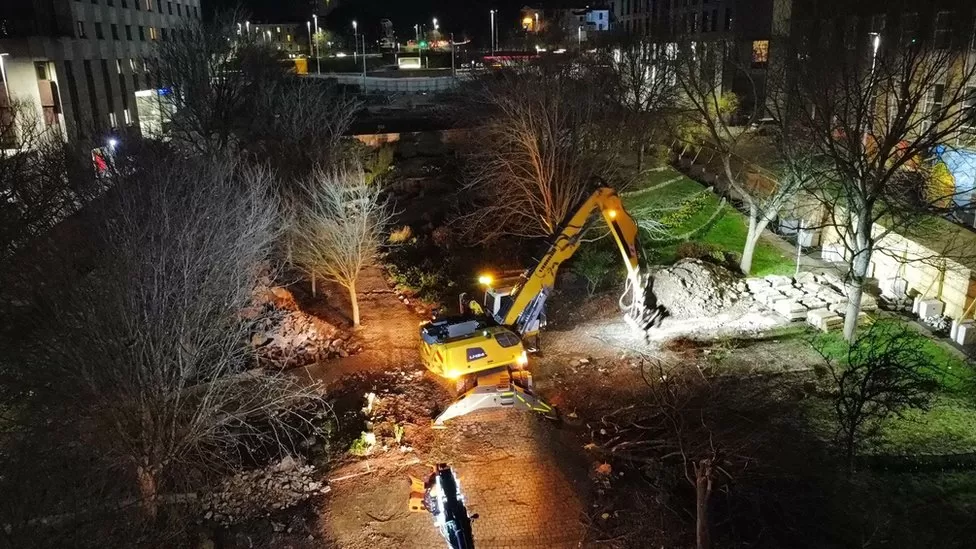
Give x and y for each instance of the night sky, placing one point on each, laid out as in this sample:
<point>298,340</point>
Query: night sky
<point>462,17</point>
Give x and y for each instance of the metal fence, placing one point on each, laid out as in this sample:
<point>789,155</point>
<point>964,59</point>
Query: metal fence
<point>419,84</point>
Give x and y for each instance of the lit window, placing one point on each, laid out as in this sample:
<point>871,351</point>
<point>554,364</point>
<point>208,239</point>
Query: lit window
<point>112,120</point>
<point>152,33</point>
<point>118,66</point>
<point>126,116</point>
<point>81,30</point>
<point>148,5</point>
<point>760,52</point>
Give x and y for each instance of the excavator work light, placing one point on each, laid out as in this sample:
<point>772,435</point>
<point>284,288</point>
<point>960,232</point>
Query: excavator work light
<point>612,214</point>
<point>484,280</point>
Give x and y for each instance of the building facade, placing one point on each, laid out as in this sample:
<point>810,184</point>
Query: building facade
<point>83,63</point>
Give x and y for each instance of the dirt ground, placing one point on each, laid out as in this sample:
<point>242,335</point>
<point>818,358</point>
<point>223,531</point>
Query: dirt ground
<point>526,478</point>
<point>529,480</point>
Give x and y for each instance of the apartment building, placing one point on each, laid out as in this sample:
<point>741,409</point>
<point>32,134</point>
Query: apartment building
<point>83,63</point>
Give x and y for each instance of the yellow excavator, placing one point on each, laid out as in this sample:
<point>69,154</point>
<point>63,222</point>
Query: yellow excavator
<point>486,345</point>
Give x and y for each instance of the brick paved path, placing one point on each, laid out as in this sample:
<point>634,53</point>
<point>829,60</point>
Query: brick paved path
<point>515,470</point>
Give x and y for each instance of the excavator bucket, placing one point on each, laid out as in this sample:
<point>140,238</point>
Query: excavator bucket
<point>497,389</point>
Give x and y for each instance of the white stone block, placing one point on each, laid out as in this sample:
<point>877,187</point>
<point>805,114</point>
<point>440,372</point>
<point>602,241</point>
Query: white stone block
<point>930,307</point>
<point>790,309</point>
<point>966,333</point>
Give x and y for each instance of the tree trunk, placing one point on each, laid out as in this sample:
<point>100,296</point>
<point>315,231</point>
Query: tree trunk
<point>313,284</point>
<point>640,158</point>
<point>850,442</point>
<point>703,493</point>
<point>855,289</point>
<point>148,491</point>
<point>355,304</point>
<point>756,228</point>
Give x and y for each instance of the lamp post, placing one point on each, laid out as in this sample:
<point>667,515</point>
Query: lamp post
<point>318,53</point>
<point>453,69</point>
<point>247,27</point>
<point>3,74</point>
<point>364,63</point>
<point>416,31</point>
<point>308,26</point>
<point>579,36</point>
<point>436,26</point>
<point>493,32</point>
<point>355,41</point>
<point>875,44</point>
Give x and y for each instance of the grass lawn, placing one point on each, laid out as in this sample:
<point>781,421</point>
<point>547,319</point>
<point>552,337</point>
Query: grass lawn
<point>948,427</point>
<point>727,232</point>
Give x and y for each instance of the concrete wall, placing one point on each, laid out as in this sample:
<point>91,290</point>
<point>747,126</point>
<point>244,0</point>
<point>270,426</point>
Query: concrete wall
<point>924,269</point>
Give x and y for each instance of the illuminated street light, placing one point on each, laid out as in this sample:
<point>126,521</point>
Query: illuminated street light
<point>318,54</point>
<point>112,143</point>
<point>355,40</point>
<point>308,25</point>
<point>493,32</point>
<point>3,75</point>
<point>436,26</point>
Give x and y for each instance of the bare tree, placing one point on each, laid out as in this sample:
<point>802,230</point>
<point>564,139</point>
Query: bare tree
<point>39,182</point>
<point>643,85</point>
<point>298,124</point>
<point>142,371</point>
<point>537,154</point>
<point>883,373</point>
<point>216,74</point>
<point>876,118</point>
<point>715,119</point>
<point>336,227</point>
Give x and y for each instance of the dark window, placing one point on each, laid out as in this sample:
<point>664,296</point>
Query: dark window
<point>943,29</point>
<point>122,88</point>
<point>714,20</point>
<point>850,33</point>
<point>115,31</point>
<point>98,31</point>
<point>969,109</point>
<point>506,339</point>
<point>94,1</point>
<point>110,2</point>
<point>179,10</point>
<point>704,21</point>
<point>109,98</point>
<point>878,23</point>
<point>40,68</point>
<point>90,81</point>
<point>142,33</point>
<point>128,32</point>
<point>728,19</point>
<point>135,81</point>
<point>196,13</point>
<point>81,30</point>
<point>909,28</point>
<point>73,94</point>
<point>125,4</point>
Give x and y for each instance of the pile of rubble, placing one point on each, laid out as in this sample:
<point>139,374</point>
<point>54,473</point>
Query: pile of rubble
<point>692,288</point>
<point>286,337</point>
<point>820,299</point>
<point>258,493</point>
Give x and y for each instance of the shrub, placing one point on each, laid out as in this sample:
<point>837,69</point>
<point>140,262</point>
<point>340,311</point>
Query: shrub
<point>592,264</point>
<point>401,235</point>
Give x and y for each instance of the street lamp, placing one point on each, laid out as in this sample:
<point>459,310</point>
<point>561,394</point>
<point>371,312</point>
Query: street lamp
<point>436,26</point>
<point>493,32</point>
<point>247,26</point>
<point>308,25</point>
<point>318,54</point>
<point>416,31</point>
<point>579,36</point>
<point>3,75</point>
<point>355,40</point>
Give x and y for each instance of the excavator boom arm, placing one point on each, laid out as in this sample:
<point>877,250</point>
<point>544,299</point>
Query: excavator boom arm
<point>529,297</point>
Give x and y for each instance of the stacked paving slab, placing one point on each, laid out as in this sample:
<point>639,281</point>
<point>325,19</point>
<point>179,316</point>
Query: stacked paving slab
<point>820,299</point>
